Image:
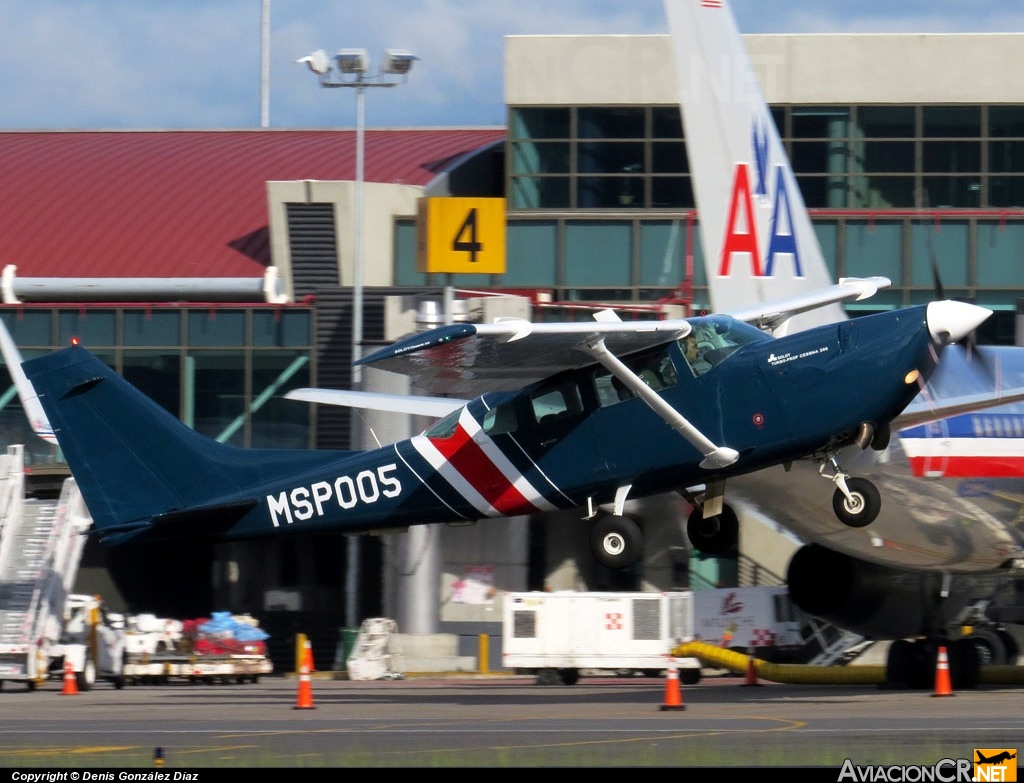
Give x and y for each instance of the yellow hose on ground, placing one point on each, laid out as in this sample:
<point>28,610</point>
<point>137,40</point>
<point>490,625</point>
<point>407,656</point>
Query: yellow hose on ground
<point>796,674</point>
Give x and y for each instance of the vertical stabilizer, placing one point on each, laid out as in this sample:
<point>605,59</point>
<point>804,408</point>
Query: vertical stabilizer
<point>758,240</point>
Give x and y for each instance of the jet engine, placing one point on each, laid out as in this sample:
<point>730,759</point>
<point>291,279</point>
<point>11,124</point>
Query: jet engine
<point>874,600</point>
<point>911,608</point>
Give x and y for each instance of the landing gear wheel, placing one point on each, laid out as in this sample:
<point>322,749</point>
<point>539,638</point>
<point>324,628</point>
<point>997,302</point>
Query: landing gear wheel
<point>964,664</point>
<point>897,667</point>
<point>863,509</point>
<point>990,646</point>
<point>616,542</point>
<point>714,535</point>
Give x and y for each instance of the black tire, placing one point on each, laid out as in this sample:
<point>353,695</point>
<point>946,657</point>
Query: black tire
<point>864,510</point>
<point>689,676</point>
<point>87,677</point>
<point>898,662</point>
<point>1012,650</point>
<point>548,677</point>
<point>717,535</point>
<point>964,665</point>
<point>990,646</point>
<point>616,542</point>
<point>569,676</point>
<point>923,659</point>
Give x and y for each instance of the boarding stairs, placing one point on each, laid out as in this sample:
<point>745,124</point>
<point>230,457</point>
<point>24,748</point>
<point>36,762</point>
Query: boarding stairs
<point>375,655</point>
<point>41,545</point>
<point>837,646</point>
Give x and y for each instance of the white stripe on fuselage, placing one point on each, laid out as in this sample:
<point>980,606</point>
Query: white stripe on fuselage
<point>490,450</point>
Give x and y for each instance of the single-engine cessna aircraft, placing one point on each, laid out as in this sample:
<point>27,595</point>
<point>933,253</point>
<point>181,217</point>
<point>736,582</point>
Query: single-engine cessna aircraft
<point>569,415</point>
<point>938,546</point>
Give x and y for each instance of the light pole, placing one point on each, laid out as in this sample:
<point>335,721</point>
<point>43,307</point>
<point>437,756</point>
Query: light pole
<point>352,69</point>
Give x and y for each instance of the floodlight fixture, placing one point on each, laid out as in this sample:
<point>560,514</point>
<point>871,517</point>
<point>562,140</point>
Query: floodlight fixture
<point>354,61</point>
<point>318,62</point>
<point>397,61</point>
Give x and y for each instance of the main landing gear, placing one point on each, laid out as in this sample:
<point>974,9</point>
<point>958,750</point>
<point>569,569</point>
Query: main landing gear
<point>716,535</point>
<point>616,541</point>
<point>911,663</point>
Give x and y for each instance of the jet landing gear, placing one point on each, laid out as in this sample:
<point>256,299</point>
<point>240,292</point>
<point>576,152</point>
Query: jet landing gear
<point>856,501</point>
<point>911,663</point>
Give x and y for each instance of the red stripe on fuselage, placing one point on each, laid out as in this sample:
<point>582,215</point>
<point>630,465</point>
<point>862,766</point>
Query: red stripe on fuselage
<point>475,466</point>
<point>968,467</point>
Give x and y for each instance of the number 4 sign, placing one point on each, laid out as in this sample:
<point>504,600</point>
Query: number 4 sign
<point>461,235</point>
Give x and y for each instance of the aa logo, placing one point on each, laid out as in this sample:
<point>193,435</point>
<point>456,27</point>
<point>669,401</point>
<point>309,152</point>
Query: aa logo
<point>995,764</point>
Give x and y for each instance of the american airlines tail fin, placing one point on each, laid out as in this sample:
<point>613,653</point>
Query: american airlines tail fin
<point>26,393</point>
<point>758,240</point>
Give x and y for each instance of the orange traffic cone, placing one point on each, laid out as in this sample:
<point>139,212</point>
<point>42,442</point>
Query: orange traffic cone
<point>70,680</point>
<point>673,696</point>
<point>751,678</point>
<point>304,700</point>
<point>943,687</point>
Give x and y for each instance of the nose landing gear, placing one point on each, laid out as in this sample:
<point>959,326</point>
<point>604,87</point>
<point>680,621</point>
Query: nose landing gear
<point>856,501</point>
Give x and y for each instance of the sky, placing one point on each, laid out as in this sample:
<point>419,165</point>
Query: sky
<point>197,64</point>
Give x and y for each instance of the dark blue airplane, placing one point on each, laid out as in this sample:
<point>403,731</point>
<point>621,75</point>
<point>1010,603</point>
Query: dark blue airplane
<point>570,415</point>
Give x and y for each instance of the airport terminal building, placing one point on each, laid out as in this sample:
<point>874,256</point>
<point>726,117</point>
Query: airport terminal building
<point>215,270</point>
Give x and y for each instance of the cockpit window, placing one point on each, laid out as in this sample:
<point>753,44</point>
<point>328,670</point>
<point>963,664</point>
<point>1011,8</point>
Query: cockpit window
<point>714,338</point>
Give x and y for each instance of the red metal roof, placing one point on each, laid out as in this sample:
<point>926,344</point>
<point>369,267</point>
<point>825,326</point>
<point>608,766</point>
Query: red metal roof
<point>181,203</point>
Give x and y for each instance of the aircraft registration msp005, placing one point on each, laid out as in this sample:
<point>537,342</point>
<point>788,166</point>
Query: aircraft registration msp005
<point>940,546</point>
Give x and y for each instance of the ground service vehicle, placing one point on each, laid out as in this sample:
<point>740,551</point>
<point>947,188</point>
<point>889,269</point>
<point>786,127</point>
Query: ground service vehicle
<point>556,635</point>
<point>761,621</point>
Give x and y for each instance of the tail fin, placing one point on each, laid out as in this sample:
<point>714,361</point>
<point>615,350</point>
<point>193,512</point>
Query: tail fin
<point>26,393</point>
<point>140,469</point>
<point>758,240</point>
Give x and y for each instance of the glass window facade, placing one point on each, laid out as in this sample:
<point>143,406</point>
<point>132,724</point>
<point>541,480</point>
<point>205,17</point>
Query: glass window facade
<point>222,370</point>
<point>601,205</point>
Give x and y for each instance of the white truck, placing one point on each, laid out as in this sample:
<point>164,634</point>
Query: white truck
<point>760,621</point>
<point>556,635</point>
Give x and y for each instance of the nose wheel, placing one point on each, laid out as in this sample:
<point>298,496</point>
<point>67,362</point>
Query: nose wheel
<point>856,501</point>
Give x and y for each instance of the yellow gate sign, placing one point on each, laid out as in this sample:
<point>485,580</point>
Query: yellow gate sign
<point>461,235</point>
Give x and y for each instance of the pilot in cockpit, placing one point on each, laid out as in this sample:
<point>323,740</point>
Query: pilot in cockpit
<point>697,362</point>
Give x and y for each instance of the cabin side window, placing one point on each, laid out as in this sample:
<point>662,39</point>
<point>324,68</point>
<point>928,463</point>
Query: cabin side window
<point>500,420</point>
<point>556,402</point>
<point>655,369</point>
<point>609,389</point>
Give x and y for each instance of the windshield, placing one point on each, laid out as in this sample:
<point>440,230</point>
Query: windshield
<point>714,338</point>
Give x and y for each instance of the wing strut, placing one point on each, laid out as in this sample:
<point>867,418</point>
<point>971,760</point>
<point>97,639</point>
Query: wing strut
<point>714,456</point>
